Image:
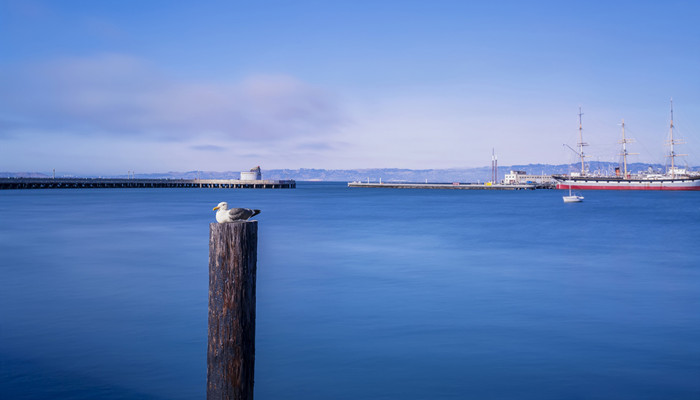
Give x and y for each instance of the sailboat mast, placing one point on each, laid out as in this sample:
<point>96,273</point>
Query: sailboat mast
<point>624,147</point>
<point>580,142</point>
<point>624,142</point>
<point>672,142</point>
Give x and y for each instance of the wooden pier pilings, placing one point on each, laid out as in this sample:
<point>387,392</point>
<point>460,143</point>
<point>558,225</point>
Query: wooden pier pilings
<point>88,183</point>
<point>233,250</point>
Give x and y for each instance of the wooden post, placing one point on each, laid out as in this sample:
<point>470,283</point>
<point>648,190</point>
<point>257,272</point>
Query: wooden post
<point>233,249</point>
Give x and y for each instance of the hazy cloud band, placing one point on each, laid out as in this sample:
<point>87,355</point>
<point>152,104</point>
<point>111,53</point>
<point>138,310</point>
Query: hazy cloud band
<point>112,94</point>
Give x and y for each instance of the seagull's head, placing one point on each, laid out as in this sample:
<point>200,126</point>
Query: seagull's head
<point>222,206</point>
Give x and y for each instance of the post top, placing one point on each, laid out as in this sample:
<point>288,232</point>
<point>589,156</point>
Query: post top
<point>252,221</point>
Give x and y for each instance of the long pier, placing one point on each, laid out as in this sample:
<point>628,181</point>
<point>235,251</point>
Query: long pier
<point>88,183</point>
<point>457,186</point>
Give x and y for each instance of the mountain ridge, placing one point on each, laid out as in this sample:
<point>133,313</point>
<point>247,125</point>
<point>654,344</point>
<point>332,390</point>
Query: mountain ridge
<point>476,174</point>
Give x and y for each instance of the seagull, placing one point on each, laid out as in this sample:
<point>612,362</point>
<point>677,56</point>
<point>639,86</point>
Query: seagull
<point>224,214</point>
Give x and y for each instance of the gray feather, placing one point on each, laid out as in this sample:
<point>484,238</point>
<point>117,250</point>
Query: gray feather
<point>238,214</point>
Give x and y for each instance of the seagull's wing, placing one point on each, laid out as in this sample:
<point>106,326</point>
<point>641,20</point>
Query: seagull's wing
<point>237,214</point>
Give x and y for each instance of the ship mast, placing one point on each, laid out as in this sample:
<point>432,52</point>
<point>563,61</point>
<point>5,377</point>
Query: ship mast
<point>580,142</point>
<point>624,142</point>
<point>671,143</point>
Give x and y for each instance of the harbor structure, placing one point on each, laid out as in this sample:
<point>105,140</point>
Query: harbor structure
<point>450,186</point>
<point>92,183</point>
<point>520,177</point>
<point>255,174</point>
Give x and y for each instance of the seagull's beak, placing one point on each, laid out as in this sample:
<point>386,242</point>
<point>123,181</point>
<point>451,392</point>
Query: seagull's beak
<point>216,208</point>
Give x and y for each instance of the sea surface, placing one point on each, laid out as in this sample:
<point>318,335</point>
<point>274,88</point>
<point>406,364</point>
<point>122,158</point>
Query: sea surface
<point>361,293</point>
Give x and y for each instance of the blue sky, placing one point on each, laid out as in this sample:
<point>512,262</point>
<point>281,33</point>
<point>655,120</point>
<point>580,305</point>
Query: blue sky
<point>152,86</point>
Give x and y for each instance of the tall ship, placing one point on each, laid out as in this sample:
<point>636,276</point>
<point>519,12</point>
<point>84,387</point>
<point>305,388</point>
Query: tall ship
<point>674,178</point>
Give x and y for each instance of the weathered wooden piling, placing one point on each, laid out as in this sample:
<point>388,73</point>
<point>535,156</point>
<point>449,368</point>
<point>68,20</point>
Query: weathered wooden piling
<point>233,251</point>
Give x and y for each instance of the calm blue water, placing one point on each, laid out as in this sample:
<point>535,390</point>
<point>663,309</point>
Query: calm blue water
<point>362,293</point>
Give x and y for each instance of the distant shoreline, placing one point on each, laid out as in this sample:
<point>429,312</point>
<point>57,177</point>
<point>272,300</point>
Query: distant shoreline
<point>477,174</point>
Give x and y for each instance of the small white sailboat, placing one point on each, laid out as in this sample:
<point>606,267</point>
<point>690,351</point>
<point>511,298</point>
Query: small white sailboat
<point>572,198</point>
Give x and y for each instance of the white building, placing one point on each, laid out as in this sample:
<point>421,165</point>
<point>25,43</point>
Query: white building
<point>518,177</point>
<point>253,175</point>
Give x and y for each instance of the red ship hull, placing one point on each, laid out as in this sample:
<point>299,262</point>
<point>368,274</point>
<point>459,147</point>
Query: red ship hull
<point>686,183</point>
<point>625,187</point>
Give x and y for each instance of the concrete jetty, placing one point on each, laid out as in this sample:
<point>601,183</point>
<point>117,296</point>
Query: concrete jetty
<point>453,186</point>
<point>87,183</point>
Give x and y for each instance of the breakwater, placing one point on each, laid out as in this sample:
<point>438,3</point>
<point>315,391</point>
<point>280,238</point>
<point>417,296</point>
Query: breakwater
<point>88,183</point>
<point>458,186</point>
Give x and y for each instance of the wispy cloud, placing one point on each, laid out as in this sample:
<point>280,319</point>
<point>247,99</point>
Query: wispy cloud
<point>112,94</point>
<point>317,145</point>
<point>208,147</point>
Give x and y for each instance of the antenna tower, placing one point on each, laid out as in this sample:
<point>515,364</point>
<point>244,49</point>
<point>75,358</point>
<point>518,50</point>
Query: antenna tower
<point>494,167</point>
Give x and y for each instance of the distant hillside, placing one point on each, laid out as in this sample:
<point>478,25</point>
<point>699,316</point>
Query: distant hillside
<point>23,175</point>
<point>479,174</point>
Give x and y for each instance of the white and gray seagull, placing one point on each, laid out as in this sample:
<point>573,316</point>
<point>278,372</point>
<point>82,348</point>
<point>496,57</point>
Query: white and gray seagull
<point>224,214</point>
